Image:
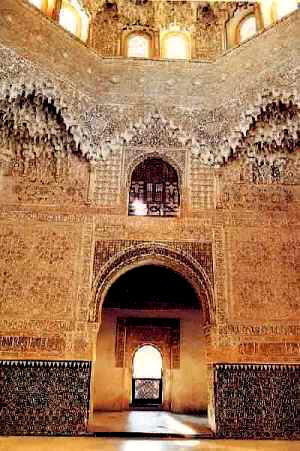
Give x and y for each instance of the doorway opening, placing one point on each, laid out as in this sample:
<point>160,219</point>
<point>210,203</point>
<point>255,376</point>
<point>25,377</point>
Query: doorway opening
<point>147,377</point>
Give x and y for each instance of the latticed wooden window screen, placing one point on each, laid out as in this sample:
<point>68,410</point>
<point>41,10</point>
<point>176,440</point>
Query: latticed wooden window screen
<point>147,388</point>
<point>146,392</point>
<point>154,185</point>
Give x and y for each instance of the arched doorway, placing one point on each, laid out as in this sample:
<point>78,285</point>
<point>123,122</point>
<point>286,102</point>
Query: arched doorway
<point>154,305</point>
<point>147,377</point>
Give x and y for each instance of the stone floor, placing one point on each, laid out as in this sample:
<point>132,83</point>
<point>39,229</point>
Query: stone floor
<point>149,422</point>
<point>114,444</point>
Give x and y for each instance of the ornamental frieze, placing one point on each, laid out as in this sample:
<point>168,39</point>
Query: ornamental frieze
<point>31,344</point>
<point>254,330</point>
<point>270,349</point>
<point>253,197</point>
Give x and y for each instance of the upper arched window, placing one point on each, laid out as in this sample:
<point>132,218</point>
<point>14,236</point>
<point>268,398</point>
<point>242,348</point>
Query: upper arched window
<point>37,3</point>
<point>248,27</point>
<point>68,19</point>
<point>154,189</point>
<point>40,4</point>
<point>285,7</point>
<point>138,45</point>
<point>74,19</point>
<point>175,45</point>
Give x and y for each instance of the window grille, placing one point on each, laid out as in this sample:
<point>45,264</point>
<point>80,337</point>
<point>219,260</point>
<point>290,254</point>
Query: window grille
<point>154,189</point>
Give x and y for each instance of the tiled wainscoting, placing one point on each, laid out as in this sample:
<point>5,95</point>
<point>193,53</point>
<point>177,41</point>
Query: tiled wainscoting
<point>257,401</point>
<point>44,397</point>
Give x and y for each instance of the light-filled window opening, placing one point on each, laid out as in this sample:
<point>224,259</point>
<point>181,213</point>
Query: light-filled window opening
<point>138,46</point>
<point>68,20</point>
<point>175,46</point>
<point>37,3</point>
<point>248,28</point>
<point>147,363</point>
<point>285,7</point>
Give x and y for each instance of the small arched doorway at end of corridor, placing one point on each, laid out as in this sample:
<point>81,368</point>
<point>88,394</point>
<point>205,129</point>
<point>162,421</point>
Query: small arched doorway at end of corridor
<point>147,377</point>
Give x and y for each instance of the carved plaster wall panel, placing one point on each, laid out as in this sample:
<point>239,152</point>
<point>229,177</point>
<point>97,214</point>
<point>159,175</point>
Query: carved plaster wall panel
<point>106,181</point>
<point>39,270</point>
<point>139,228</point>
<point>257,197</point>
<point>51,264</point>
<point>283,349</point>
<point>55,345</point>
<point>270,349</point>
<point>263,268</point>
<point>201,185</point>
<point>255,330</point>
<point>69,188</point>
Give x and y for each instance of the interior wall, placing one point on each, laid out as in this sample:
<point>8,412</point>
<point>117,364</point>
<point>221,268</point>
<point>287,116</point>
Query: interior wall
<point>189,389</point>
<point>242,229</point>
